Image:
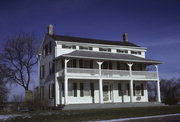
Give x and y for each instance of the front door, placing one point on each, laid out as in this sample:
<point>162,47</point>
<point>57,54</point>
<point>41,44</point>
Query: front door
<point>107,92</point>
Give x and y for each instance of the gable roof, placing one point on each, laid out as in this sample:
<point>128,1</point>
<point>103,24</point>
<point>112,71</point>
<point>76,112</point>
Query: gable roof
<point>108,56</point>
<point>87,40</point>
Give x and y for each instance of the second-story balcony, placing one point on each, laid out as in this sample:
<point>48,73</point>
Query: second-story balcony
<point>112,66</point>
<point>109,74</point>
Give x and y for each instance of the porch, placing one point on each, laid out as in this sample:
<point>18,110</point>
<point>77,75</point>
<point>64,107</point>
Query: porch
<point>110,105</point>
<point>104,67</point>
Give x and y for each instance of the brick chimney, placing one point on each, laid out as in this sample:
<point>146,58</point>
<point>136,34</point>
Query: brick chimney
<point>50,29</point>
<point>125,37</point>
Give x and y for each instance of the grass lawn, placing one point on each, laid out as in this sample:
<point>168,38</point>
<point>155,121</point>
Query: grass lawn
<point>98,114</point>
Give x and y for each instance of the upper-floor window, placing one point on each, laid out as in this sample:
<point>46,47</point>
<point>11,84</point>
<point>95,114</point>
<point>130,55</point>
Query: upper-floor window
<point>51,67</point>
<point>105,49</point>
<point>51,91</point>
<point>85,48</point>
<point>136,52</point>
<point>69,46</point>
<point>85,63</point>
<point>122,51</point>
<point>72,63</point>
<point>47,49</point>
<point>107,65</point>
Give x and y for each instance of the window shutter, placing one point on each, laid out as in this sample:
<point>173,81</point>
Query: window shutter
<point>49,91</point>
<point>62,90</point>
<point>81,89</point>
<point>134,89</point>
<point>49,68</point>
<point>75,89</point>
<point>53,90</point>
<point>142,89</point>
<point>92,89</point>
<point>53,67</point>
<point>119,89</point>
<point>42,71</point>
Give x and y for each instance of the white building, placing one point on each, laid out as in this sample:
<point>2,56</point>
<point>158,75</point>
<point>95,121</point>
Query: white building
<point>75,70</point>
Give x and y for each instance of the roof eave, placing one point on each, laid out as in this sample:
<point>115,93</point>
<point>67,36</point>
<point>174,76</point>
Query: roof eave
<point>125,60</point>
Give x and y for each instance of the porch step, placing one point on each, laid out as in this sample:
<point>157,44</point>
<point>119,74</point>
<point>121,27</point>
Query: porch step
<point>110,105</point>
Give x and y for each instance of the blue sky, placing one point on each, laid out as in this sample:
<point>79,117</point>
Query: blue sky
<point>154,24</point>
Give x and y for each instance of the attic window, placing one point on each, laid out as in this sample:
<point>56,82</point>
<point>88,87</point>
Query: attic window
<point>68,46</point>
<point>122,51</point>
<point>85,48</point>
<point>136,52</point>
<point>105,49</point>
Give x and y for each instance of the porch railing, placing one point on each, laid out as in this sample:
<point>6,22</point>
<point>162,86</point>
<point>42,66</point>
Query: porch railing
<point>83,71</point>
<point>111,73</point>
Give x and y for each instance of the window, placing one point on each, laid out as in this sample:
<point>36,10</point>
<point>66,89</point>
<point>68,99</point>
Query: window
<point>85,63</point>
<point>81,89</point>
<point>119,89</point>
<point>51,68</point>
<point>70,89</point>
<point>107,65</point>
<point>138,90</point>
<point>122,51</point>
<point>51,91</point>
<point>122,66</point>
<point>85,48</point>
<point>105,49</point>
<point>42,92</point>
<point>72,63</point>
<point>87,89</point>
<point>69,46</point>
<point>41,71</point>
<point>47,49</point>
<point>136,52</point>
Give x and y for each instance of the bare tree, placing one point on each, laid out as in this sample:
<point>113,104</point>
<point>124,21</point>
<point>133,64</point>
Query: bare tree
<point>19,56</point>
<point>3,88</point>
<point>170,90</point>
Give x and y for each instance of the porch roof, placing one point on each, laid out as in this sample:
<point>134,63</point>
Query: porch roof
<point>107,56</point>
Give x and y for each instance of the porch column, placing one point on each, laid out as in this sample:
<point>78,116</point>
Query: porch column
<point>100,83</point>
<point>158,85</point>
<point>131,81</point>
<point>65,82</point>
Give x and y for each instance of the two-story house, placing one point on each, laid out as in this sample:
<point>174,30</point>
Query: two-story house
<point>74,70</point>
